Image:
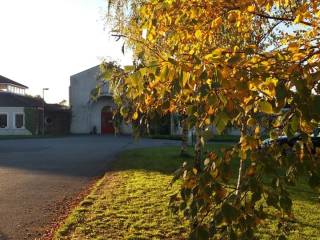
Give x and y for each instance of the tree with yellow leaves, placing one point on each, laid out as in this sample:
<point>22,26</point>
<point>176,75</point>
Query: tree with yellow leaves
<point>220,63</point>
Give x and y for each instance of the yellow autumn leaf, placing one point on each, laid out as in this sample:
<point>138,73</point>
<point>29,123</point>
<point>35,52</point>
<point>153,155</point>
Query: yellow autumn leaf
<point>148,100</point>
<point>172,108</point>
<point>268,7</point>
<point>298,56</point>
<point>211,111</point>
<point>238,23</point>
<point>216,22</point>
<point>194,13</point>
<point>265,107</point>
<point>298,19</point>
<point>251,122</point>
<point>217,51</point>
<point>208,56</point>
<point>135,116</point>
<point>257,130</point>
<point>247,99</point>
<point>293,47</point>
<point>198,34</point>
<point>185,78</point>
<point>195,171</point>
<point>233,16</point>
<point>252,87</point>
<point>271,81</point>
<point>251,8</point>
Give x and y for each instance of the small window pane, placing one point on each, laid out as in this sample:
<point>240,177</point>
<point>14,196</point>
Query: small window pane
<point>19,120</point>
<point>3,120</point>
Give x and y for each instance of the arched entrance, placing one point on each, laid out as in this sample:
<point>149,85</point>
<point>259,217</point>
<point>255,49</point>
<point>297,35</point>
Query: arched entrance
<point>106,120</point>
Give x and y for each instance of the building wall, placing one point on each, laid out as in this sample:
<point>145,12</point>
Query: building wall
<point>86,112</point>
<point>126,128</point>
<point>11,129</point>
<point>86,117</point>
<point>57,122</point>
<point>81,85</point>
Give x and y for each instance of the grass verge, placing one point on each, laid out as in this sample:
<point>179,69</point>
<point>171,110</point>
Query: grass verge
<point>131,202</point>
<point>215,138</point>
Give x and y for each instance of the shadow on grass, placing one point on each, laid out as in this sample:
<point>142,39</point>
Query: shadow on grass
<point>167,160</point>
<point>164,160</point>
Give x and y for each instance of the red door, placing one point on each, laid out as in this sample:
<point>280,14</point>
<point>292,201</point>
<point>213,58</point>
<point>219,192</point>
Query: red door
<point>106,122</point>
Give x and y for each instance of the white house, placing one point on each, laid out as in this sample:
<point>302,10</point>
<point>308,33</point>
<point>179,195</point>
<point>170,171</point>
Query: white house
<point>92,115</point>
<point>13,103</point>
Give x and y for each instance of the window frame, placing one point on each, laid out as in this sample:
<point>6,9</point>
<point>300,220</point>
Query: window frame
<point>7,115</point>
<point>14,120</point>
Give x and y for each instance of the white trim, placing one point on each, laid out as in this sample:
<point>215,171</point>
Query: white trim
<point>7,114</point>
<point>14,120</point>
<point>17,86</point>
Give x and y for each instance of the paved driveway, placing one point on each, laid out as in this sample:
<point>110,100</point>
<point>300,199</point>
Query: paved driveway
<point>38,174</point>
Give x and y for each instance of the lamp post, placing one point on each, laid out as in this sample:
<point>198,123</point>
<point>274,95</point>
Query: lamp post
<point>43,106</point>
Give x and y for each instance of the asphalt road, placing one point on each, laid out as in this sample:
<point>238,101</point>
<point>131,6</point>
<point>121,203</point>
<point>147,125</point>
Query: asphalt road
<point>38,174</point>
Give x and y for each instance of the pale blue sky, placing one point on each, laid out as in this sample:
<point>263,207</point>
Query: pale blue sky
<point>43,42</point>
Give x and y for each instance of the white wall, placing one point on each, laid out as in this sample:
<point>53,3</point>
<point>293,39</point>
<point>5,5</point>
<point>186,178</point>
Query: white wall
<point>81,85</point>
<point>11,129</point>
<point>86,113</point>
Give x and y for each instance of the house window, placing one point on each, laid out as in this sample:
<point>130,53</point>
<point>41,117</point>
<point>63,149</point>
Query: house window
<point>19,120</point>
<point>3,87</point>
<point>3,120</point>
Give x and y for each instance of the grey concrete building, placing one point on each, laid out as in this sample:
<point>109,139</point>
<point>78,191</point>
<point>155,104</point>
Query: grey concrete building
<point>92,114</point>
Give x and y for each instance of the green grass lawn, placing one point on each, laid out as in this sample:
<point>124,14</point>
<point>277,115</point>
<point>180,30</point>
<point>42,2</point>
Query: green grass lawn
<point>215,138</point>
<point>131,202</point>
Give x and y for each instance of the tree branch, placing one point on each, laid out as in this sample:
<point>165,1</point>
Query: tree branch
<point>279,18</point>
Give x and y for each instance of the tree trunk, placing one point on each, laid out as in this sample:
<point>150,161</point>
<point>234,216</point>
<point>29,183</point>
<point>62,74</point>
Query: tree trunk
<point>241,167</point>
<point>197,150</point>
<point>240,173</point>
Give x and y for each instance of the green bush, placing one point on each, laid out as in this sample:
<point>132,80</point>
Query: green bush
<point>32,120</point>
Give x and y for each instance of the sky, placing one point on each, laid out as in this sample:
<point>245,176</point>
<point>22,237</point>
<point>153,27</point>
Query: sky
<point>44,42</point>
